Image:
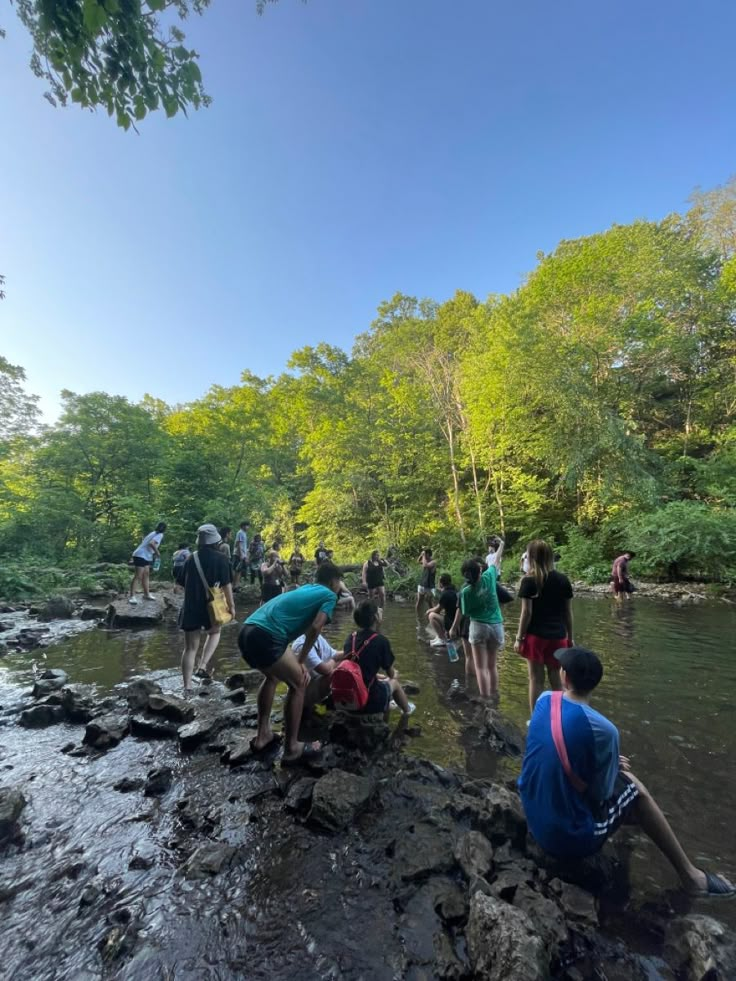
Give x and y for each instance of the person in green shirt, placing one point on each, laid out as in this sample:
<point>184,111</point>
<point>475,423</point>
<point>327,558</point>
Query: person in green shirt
<point>479,602</point>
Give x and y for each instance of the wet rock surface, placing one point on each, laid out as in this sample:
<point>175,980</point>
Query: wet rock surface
<point>156,860</point>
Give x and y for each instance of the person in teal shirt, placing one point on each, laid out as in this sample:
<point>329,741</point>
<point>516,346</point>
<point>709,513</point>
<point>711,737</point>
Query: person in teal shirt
<point>263,642</point>
<point>479,602</point>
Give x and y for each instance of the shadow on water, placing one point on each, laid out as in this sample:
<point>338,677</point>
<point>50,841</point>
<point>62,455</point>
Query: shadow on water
<point>670,686</point>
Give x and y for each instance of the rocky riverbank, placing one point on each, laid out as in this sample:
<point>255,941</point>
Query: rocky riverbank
<point>158,845</point>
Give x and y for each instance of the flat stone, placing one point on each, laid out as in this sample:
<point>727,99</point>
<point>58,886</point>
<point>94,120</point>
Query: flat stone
<point>41,716</point>
<point>338,797</point>
<point>158,781</point>
<point>145,728</point>
<point>106,731</point>
<point>208,860</point>
<point>502,942</point>
<point>578,905</point>
<point>173,708</point>
<point>138,691</point>
<point>474,854</point>
<point>93,613</point>
<point>244,679</point>
<point>502,735</point>
<point>12,803</point>
<point>50,681</point>
<point>144,614</point>
<point>194,733</point>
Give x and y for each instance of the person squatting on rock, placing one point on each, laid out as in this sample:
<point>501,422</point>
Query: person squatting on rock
<point>577,789</point>
<point>194,616</point>
<point>372,653</point>
<point>479,602</point>
<point>545,624</point>
<point>143,558</point>
<point>442,616</point>
<point>263,642</point>
<point>320,663</point>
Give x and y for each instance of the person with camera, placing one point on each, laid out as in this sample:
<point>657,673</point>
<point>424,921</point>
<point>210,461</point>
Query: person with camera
<point>425,589</point>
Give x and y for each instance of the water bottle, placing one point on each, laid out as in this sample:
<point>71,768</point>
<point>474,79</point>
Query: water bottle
<point>156,564</point>
<point>452,650</point>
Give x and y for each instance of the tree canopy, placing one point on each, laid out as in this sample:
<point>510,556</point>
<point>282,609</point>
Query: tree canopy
<point>128,57</point>
<point>595,406</point>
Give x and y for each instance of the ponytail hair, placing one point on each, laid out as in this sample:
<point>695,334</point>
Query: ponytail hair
<point>541,561</point>
<point>472,570</point>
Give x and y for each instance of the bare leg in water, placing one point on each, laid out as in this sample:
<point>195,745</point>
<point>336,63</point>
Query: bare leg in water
<point>647,814</point>
<point>288,670</point>
<point>210,646</point>
<point>191,646</point>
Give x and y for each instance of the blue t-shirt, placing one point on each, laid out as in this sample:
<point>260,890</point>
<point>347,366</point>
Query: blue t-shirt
<point>561,819</point>
<point>290,614</point>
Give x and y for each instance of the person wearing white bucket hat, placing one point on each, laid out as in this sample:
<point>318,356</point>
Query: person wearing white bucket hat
<point>194,616</point>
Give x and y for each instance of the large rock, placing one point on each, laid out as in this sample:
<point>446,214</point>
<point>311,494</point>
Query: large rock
<point>171,707</point>
<point>505,820</point>
<point>424,850</point>
<point>501,735</point>
<point>78,707</point>
<point>700,948</point>
<point>57,608</point>
<point>143,727</point>
<point>12,803</point>
<point>49,681</point>
<point>208,860</point>
<point>545,915</point>
<point>356,731</point>
<point>41,716</point>
<point>337,799</point>
<point>474,854</point>
<point>502,942</point>
<point>92,613</point>
<point>244,679</point>
<point>138,691</point>
<point>145,614</point>
<point>194,733</point>
<point>106,731</point>
<point>578,906</point>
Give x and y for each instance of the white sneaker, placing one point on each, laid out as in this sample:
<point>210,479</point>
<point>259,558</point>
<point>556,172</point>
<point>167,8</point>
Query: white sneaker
<point>133,601</point>
<point>438,642</point>
<point>151,596</point>
<point>412,708</point>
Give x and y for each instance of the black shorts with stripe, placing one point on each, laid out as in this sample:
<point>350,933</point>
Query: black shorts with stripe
<point>611,814</point>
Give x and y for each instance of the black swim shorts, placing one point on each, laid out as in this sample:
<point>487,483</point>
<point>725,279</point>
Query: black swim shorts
<point>259,648</point>
<point>611,814</point>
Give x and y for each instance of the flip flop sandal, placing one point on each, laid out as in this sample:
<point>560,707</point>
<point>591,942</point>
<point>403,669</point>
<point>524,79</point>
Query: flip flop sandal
<point>273,744</point>
<point>308,755</point>
<point>716,885</point>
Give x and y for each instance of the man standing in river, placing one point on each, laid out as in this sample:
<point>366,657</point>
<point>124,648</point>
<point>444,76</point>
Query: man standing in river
<point>577,789</point>
<point>620,582</point>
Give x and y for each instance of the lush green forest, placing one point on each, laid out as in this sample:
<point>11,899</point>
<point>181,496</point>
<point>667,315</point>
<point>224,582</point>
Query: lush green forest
<point>594,406</point>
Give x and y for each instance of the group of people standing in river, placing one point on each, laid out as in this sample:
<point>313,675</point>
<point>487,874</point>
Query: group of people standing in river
<point>576,787</point>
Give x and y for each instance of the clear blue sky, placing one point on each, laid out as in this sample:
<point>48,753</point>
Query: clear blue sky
<point>353,148</point>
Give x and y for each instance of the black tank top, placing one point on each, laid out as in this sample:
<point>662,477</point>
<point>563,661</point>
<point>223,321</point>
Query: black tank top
<point>374,575</point>
<point>428,578</point>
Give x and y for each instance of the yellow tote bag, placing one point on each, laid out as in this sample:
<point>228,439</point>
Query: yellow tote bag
<point>216,602</point>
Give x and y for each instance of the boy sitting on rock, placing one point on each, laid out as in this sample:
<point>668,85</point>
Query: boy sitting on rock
<point>577,790</point>
<point>372,654</point>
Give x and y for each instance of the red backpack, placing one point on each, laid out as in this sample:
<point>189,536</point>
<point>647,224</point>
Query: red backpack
<point>347,687</point>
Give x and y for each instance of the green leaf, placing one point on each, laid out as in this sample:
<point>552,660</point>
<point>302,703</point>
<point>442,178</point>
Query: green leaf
<point>124,120</point>
<point>140,109</point>
<point>94,16</point>
<point>77,95</point>
<point>156,4</point>
<point>170,105</point>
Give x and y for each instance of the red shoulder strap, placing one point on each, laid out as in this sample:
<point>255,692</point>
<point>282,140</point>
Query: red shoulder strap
<point>559,741</point>
<point>356,654</point>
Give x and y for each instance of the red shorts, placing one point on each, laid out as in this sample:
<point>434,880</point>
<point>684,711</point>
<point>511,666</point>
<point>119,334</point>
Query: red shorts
<point>541,650</point>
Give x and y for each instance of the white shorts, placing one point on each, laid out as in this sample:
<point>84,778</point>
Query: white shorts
<point>428,590</point>
<point>486,633</point>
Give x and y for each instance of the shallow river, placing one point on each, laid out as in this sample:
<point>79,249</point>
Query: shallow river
<point>669,685</point>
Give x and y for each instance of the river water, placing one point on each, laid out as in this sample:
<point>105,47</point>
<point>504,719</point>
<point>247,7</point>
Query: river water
<point>669,685</point>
